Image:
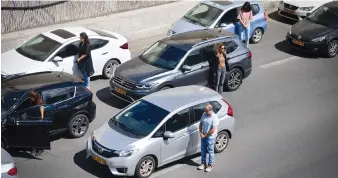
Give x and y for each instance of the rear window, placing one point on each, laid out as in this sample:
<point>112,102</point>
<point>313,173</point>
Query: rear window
<point>255,9</point>
<point>104,34</point>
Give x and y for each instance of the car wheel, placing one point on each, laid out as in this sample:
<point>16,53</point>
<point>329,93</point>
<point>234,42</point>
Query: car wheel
<point>222,141</point>
<point>78,125</point>
<point>332,48</point>
<point>234,79</point>
<point>145,167</point>
<point>165,88</point>
<point>109,68</point>
<point>257,35</point>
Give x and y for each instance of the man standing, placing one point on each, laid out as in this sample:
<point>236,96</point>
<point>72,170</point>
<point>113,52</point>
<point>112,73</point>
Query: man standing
<point>208,131</point>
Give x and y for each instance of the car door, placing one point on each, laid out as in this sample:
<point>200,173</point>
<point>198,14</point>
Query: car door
<point>26,129</point>
<point>233,53</point>
<point>198,75</point>
<point>179,146</point>
<point>228,20</point>
<point>99,53</point>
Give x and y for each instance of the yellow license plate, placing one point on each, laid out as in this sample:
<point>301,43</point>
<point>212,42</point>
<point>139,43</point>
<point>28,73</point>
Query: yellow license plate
<point>99,160</point>
<point>297,42</point>
<point>121,91</point>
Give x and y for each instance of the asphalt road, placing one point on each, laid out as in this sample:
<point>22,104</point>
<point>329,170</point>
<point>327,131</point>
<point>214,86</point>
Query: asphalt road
<point>287,120</point>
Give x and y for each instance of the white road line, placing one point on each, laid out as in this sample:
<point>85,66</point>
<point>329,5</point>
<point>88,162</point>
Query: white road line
<point>276,63</point>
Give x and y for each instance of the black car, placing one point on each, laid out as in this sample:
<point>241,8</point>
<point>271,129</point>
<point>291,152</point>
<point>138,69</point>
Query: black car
<point>180,60</point>
<point>67,104</point>
<point>318,32</point>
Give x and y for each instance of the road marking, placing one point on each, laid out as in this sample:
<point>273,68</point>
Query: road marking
<point>276,63</point>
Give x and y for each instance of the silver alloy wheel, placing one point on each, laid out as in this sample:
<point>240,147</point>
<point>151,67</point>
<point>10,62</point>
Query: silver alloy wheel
<point>146,167</point>
<point>258,33</point>
<point>234,79</point>
<point>221,141</point>
<point>79,126</point>
<point>333,48</point>
<point>110,68</point>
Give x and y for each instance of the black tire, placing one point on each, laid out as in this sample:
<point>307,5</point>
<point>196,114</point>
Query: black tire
<point>257,35</point>
<point>221,145</point>
<point>108,69</point>
<point>138,172</point>
<point>332,48</point>
<point>164,88</point>
<point>73,124</point>
<point>234,79</point>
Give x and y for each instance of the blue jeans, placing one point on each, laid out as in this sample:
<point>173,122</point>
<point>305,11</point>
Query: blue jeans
<point>207,146</point>
<point>86,80</point>
<point>221,73</point>
<point>243,33</point>
<point>247,35</point>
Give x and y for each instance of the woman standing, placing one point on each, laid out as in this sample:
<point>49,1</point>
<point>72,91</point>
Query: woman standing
<point>222,67</point>
<point>245,17</point>
<point>85,62</point>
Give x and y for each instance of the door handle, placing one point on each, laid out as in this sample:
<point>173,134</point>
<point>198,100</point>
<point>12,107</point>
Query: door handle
<point>104,53</point>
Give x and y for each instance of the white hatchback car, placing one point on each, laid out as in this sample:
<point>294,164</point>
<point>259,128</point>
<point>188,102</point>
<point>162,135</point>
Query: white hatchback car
<point>56,50</point>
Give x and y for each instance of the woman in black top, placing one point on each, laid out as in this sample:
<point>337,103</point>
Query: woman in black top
<point>85,62</point>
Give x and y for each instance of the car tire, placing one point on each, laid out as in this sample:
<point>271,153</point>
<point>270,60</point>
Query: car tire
<point>109,68</point>
<point>222,141</point>
<point>78,125</point>
<point>257,35</point>
<point>164,88</point>
<point>332,48</point>
<point>141,167</point>
<point>234,79</point>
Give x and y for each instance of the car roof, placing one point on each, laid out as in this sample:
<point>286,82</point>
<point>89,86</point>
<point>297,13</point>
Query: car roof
<point>6,158</point>
<point>333,6</point>
<point>36,80</point>
<point>65,34</point>
<point>187,40</point>
<point>174,98</point>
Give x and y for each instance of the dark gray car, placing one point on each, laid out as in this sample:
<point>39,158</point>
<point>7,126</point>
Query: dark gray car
<point>180,60</point>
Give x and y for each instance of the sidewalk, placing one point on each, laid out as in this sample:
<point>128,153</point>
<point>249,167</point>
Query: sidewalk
<point>136,24</point>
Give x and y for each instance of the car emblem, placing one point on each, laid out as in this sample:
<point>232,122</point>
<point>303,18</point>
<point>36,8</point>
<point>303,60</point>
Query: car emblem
<point>299,37</point>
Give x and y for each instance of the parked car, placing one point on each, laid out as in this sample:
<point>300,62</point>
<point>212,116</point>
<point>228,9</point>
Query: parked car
<point>298,10</point>
<point>68,106</point>
<point>159,129</point>
<point>221,14</point>
<point>180,60</point>
<point>317,33</point>
<point>56,50</point>
<point>8,169</point>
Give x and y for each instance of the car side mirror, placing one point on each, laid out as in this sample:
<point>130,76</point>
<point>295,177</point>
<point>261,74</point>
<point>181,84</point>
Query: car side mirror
<point>168,134</point>
<point>186,68</point>
<point>57,59</point>
<point>223,25</point>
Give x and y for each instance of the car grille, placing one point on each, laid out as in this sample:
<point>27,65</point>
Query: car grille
<point>103,151</point>
<point>289,6</point>
<point>125,83</point>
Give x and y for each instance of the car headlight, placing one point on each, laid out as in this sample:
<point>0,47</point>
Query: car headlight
<point>144,86</point>
<point>126,153</point>
<point>319,39</point>
<point>306,8</point>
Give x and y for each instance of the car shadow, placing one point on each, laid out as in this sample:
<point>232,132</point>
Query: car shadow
<point>106,97</point>
<point>16,153</point>
<point>276,17</point>
<point>100,77</point>
<point>283,46</point>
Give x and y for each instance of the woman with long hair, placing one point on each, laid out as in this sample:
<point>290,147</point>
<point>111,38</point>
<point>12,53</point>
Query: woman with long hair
<point>85,62</point>
<point>245,17</point>
<point>222,67</point>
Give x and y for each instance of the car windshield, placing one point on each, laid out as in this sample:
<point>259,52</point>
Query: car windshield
<point>140,119</point>
<point>163,55</point>
<point>38,48</point>
<point>324,16</point>
<point>9,99</point>
<point>203,14</point>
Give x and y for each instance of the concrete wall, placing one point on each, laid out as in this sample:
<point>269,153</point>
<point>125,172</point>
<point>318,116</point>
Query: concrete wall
<point>19,18</point>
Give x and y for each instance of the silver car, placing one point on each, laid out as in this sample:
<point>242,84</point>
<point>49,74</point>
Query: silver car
<point>8,169</point>
<point>158,129</point>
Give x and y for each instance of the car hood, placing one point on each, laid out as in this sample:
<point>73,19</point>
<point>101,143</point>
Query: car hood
<point>112,139</point>
<point>306,3</point>
<point>137,71</point>
<point>13,63</point>
<point>183,25</point>
<point>310,29</point>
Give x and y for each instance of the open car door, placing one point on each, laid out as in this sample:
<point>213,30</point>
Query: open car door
<point>26,129</point>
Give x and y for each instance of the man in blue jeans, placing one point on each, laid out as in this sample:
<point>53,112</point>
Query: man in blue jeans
<point>208,131</point>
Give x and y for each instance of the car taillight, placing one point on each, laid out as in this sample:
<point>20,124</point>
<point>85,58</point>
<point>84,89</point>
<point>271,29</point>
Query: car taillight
<point>13,171</point>
<point>265,16</point>
<point>249,54</point>
<point>230,111</point>
<point>124,46</point>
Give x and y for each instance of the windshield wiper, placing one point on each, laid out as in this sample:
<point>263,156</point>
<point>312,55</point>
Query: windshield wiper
<point>194,21</point>
<point>127,129</point>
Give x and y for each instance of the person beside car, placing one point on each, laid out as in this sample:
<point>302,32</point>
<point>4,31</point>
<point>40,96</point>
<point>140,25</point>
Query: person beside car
<point>85,62</point>
<point>245,17</point>
<point>221,67</point>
